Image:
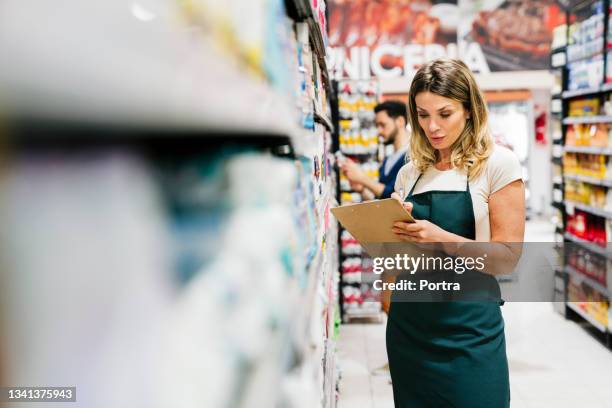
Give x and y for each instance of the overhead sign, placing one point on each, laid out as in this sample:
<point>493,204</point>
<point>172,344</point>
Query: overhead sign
<point>393,38</point>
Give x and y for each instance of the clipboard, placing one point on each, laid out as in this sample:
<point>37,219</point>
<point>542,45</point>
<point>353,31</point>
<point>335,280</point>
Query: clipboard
<point>372,221</point>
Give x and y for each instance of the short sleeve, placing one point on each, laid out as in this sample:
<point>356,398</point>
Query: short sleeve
<point>405,177</point>
<point>503,168</point>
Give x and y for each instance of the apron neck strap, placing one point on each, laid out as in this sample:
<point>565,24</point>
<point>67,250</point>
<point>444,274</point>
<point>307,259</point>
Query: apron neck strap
<point>414,185</point>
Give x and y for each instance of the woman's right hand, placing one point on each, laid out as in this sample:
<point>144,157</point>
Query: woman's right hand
<point>407,205</point>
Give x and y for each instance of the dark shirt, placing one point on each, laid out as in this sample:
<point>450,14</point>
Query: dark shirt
<point>389,179</point>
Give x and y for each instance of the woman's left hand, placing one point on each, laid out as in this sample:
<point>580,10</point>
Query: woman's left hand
<point>419,231</point>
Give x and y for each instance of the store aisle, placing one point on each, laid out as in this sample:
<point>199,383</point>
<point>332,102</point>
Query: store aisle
<point>553,362</point>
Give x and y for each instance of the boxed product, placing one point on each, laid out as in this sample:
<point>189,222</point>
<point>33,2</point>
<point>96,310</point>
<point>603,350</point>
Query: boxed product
<point>584,107</point>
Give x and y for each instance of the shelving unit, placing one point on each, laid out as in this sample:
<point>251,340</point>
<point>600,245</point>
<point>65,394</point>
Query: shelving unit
<point>587,119</point>
<point>589,281</point>
<point>596,249</point>
<point>357,139</point>
<point>209,142</point>
<point>588,150</point>
<point>581,197</point>
<point>593,210</point>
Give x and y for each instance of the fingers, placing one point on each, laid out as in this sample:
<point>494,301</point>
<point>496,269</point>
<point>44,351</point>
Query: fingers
<point>408,227</point>
<point>407,204</point>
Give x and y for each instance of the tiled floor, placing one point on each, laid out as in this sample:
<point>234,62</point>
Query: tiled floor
<point>553,362</point>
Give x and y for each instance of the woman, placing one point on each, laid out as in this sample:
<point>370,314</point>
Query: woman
<point>461,188</point>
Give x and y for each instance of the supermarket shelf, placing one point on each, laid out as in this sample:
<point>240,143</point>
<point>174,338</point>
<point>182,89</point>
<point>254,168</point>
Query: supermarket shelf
<point>590,180</point>
<point>589,245</point>
<point>593,210</point>
<point>581,277</point>
<point>360,156</point>
<point>587,119</point>
<point>317,37</point>
<point>580,92</point>
<point>301,10</point>
<point>558,49</point>
<point>324,120</point>
<point>156,74</point>
<point>558,205</point>
<point>317,40</point>
<point>575,5</point>
<point>587,91</point>
<point>587,317</point>
<point>588,150</point>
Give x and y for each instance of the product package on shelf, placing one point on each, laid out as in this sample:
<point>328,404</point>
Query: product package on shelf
<point>587,226</point>
<point>586,45</point>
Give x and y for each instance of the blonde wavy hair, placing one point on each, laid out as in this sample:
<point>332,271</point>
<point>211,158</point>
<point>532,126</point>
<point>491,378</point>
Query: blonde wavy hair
<point>452,79</point>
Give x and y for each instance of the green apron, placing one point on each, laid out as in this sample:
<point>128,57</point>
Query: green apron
<point>447,354</point>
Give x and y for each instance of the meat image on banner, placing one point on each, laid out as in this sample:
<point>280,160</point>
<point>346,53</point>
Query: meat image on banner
<point>513,34</point>
<point>393,38</point>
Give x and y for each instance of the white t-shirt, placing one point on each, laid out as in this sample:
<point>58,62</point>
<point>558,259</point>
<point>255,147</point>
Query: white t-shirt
<point>502,168</point>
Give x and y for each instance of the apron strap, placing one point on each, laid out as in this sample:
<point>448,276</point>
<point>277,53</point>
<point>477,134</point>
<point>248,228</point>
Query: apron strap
<point>414,185</point>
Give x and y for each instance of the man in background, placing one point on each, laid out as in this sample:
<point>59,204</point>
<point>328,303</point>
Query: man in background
<point>391,120</point>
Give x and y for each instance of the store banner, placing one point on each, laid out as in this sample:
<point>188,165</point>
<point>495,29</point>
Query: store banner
<point>393,38</point>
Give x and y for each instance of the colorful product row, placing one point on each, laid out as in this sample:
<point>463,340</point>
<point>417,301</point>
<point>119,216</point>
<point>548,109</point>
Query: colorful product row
<point>350,198</point>
<point>585,73</point>
<point>359,141</point>
<point>589,227</point>
<point>361,298</point>
<point>586,38</point>
<point>588,194</point>
<point>357,99</point>
<point>591,135</point>
<point>585,31</point>
<point>589,165</point>
<point>349,245</point>
<point>589,264</point>
<point>371,169</point>
<point>589,301</point>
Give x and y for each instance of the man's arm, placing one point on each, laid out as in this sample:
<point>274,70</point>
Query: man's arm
<point>356,175</point>
<point>376,187</point>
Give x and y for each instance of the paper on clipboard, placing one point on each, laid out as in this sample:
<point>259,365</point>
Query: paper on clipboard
<point>372,221</point>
